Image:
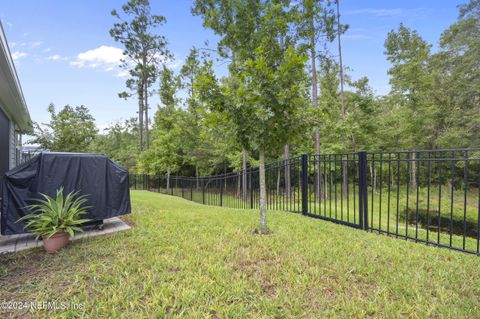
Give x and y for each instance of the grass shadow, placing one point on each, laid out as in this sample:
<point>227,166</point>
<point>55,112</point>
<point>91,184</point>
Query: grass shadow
<point>432,220</point>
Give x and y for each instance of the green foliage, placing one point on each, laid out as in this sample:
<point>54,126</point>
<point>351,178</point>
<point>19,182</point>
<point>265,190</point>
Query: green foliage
<point>118,142</point>
<point>456,73</point>
<point>315,19</point>
<point>165,153</point>
<point>54,214</point>
<point>195,140</point>
<point>435,96</point>
<point>204,121</point>
<point>72,129</point>
<point>264,98</point>
<point>266,92</point>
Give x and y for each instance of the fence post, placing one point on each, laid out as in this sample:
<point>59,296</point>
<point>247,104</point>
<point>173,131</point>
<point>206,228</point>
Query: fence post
<point>362,190</point>
<point>304,178</point>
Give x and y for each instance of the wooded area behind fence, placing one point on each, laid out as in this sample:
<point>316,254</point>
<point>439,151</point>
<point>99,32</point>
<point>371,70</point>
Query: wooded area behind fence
<point>430,196</point>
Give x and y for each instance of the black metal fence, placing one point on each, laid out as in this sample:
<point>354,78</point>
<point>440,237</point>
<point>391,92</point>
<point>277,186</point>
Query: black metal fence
<point>426,196</point>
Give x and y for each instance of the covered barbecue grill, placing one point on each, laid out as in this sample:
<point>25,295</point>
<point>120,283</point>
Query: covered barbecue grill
<point>104,181</point>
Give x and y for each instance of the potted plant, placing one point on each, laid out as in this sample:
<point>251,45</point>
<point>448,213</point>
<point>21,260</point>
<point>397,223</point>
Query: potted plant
<point>56,219</point>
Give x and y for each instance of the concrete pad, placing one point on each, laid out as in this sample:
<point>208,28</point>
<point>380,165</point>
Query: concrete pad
<point>14,243</point>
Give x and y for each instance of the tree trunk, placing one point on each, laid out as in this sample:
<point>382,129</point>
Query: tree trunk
<point>244,174</point>
<point>196,175</point>
<point>413,171</point>
<point>147,134</point>
<point>313,58</point>
<point>345,177</point>
<point>140,115</point>
<point>168,180</point>
<point>342,99</point>
<point>278,183</point>
<point>263,193</point>
<point>372,177</point>
<point>288,186</point>
<point>239,185</point>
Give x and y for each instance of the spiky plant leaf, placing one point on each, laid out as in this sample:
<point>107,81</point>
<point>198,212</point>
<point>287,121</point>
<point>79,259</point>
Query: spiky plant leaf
<point>53,214</point>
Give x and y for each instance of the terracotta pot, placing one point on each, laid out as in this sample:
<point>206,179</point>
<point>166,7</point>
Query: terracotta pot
<point>56,242</point>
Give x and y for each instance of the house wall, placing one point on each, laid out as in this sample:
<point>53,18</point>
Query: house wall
<point>5,142</point>
<point>12,158</point>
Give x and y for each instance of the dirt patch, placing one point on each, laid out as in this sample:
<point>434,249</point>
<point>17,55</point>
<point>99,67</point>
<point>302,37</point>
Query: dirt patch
<point>257,231</point>
<point>128,219</point>
<point>18,266</point>
<point>262,269</point>
<point>33,267</point>
<point>317,287</point>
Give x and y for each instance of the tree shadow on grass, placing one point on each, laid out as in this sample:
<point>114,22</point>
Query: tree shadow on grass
<point>448,224</point>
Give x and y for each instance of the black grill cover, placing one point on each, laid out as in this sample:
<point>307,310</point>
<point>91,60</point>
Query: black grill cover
<point>104,181</point>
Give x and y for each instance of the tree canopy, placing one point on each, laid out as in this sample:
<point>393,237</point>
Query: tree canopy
<point>72,129</point>
<point>277,59</point>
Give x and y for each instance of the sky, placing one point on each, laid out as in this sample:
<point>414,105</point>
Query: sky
<point>64,54</point>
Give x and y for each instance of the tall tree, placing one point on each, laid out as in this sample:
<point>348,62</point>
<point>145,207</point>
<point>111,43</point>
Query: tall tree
<point>271,85</point>
<point>315,25</point>
<point>166,154</point>
<point>456,78</point>
<point>189,73</point>
<point>342,96</point>
<point>235,21</point>
<point>411,82</point>
<point>144,50</point>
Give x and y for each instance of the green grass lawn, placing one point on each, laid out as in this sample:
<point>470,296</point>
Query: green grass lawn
<point>385,209</point>
<point>186,260</point>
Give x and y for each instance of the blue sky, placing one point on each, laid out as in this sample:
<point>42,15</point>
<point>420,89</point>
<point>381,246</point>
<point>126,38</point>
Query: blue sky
<point>64,54</point>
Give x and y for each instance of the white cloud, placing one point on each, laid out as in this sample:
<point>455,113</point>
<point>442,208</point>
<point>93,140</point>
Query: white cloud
<point>376,12</point>
<point>47,50</point>
<point>108,58</point>
<point>174,64</point>
<point>17,44</point>
<point>17,55</point>
<point>36,44</point>
<point>104,57</point>
<point>122,74</point>
<point>102,127</point>
<point>55,57</point>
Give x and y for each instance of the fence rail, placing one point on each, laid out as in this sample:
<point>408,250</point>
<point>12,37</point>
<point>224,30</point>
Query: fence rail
<point>427,196</point>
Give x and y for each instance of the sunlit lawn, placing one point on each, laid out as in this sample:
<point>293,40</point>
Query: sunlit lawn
<point>186,260</point>
<point>388,209</point>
